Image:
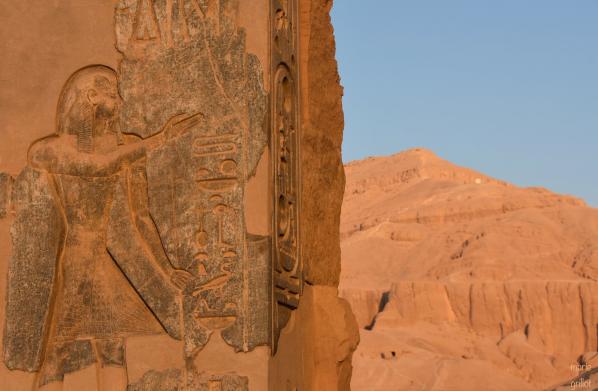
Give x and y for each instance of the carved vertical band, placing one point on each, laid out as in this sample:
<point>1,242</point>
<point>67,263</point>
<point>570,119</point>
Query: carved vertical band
<point>287,268</point>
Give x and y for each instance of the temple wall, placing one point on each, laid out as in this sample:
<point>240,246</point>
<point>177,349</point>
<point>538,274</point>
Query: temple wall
<point>251,332</point>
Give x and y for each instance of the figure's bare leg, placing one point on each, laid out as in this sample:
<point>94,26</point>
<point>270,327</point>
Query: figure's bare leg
<point>112,379</point>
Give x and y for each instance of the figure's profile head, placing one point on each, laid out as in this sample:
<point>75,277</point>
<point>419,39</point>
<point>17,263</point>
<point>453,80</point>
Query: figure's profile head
<point>89,95</point>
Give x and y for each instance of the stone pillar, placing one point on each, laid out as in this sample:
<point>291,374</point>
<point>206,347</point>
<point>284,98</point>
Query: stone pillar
<point>169,220</point>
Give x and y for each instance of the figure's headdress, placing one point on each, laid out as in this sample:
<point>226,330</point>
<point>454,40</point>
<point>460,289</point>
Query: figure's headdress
<point>75,114</point>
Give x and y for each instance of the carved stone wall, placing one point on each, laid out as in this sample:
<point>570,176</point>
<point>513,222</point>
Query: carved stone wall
<point>194,53</point>
<point>322,333</point>
<point>158,225</point>
<point>285,146</point>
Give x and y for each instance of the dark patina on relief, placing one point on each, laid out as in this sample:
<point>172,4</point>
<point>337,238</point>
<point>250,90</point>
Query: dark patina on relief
<point>129,218</point>
<point>194,54</point>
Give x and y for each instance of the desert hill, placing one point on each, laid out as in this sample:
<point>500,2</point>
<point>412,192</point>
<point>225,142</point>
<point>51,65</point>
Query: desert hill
<point>461,281</point>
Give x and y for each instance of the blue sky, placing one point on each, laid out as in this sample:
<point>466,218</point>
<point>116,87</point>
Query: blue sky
<point>507,87</point>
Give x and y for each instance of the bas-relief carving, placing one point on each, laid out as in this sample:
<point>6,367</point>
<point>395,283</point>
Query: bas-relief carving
<point>136,202</point>
<point>87,270</point>
<point>194,54</point>
<point>287,276</point>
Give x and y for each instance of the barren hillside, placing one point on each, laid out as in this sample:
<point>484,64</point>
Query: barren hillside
<point>463,282</point>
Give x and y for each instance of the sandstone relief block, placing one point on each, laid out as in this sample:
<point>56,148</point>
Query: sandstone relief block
<point>195,55</point>
<point>6,183</point>
<point>173,380</point>
<point>76,245</point>
<point>288,270</point>
<point>131,216</point>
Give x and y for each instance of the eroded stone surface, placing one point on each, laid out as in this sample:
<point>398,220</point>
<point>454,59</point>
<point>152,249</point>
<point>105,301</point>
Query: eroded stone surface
<point>195,55</point>
<point>498,280</point>
<point>6,182</point>
<point>133,211</point>
<point>173,380</point>
<point>220,383</point>
<point>323,181</point>
<point>83,277</point>
<point>31,272</point>
<point>319,339</point>
<point>169,380</point>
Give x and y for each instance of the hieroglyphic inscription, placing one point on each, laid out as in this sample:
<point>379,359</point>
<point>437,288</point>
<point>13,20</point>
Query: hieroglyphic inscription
<point>115,235</point>
<point>287,276</point>
<point>194,54</point>
<point>214,301</point>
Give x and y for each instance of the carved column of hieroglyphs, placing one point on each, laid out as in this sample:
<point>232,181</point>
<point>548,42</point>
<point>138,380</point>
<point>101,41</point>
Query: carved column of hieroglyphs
<point>188,57</point>
<point>287,276</point>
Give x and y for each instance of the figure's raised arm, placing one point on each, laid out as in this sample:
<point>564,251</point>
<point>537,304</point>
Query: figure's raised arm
<point>136,147</point>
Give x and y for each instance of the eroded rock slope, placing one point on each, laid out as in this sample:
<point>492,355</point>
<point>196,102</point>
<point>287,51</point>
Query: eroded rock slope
<point>461,281</point>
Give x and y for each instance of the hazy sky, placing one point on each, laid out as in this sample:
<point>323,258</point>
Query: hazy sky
<point>507,87</point>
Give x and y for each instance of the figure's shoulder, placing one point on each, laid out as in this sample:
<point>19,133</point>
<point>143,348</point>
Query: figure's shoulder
<point>46,149</point>
<point>41,147</point>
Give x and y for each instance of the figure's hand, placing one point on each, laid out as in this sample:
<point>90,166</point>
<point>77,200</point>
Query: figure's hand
<point>176,126</point>
<point>154,141</point>
<point>180,278</point>
<point>180,124</point>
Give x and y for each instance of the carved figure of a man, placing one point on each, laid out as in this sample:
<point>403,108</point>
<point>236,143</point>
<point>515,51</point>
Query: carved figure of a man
<point>108,277</point>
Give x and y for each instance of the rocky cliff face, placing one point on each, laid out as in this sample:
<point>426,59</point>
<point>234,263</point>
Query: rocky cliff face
<point>460,280</point>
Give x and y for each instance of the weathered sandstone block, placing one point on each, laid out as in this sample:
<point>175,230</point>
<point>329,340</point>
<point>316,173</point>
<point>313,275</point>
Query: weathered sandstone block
<point>176,214</point>
<point>6,182</point>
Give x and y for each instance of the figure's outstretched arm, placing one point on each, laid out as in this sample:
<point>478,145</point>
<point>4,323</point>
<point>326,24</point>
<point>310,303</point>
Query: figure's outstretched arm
<point>138,148</point>
<point>175,127</point>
